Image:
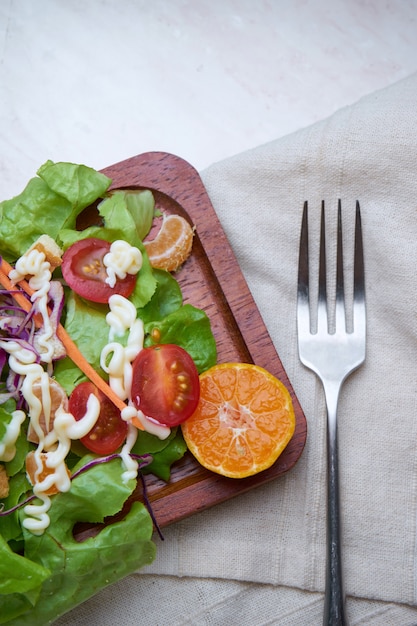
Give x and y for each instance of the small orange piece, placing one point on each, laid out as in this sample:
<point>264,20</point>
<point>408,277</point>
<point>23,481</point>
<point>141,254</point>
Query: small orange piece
<point>31,469</point>
<point>172,245</point>
<point>243,422</point>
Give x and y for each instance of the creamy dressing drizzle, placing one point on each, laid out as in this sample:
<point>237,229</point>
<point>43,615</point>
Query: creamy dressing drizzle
<point>38,518</point>
<point>121,260</point>
<point>162,432</point>
<point>7,444</point>
<point>130,464</point>
<point>116,360</point>
<point>33,264</point>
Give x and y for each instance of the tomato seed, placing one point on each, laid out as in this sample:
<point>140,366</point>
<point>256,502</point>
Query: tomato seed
<point>93,268</point>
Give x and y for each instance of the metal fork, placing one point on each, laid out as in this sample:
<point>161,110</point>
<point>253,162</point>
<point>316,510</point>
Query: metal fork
<point>332,356</point>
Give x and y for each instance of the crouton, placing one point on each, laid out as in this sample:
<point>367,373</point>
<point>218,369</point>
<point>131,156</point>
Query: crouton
<point>4,482</point>
<point>47,245</point>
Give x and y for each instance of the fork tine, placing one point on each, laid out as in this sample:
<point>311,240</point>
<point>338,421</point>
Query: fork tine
<point>359,308</point>
<point>303,317</point>
<point>340,312</point>
<point>322,317</point>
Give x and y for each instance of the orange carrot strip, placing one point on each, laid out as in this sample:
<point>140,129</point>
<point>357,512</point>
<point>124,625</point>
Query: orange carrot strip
<point>136,422</point>
<point>72,350</point>
<point>5,281</point>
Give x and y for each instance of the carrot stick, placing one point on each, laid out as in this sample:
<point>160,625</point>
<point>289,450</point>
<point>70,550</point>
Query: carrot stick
<point>72,350</point>
<point>5,281</point>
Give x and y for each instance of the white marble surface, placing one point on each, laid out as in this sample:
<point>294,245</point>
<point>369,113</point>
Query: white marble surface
<point>99,81</point>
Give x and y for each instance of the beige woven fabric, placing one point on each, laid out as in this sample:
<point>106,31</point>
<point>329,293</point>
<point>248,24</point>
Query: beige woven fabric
<point>259,559</point>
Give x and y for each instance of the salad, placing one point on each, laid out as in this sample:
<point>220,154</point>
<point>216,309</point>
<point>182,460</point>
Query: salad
<point>98,369</point>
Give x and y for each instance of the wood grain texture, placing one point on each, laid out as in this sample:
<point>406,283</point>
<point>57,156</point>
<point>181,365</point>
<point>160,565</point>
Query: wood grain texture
<point>212,280</point>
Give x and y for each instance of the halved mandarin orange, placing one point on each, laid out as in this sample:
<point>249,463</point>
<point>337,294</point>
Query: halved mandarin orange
<point>243,422</point>
<point>172,245</point>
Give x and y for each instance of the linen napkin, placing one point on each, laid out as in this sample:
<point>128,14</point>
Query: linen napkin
<point>260,558</point>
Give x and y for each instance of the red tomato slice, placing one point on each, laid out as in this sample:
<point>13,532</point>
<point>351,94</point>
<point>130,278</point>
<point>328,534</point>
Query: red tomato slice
<point>84,271</point>
<point>110,431</point>
<point>165,384</point>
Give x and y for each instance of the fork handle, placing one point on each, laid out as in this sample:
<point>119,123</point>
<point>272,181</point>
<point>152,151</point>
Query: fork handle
<point>334,601</point>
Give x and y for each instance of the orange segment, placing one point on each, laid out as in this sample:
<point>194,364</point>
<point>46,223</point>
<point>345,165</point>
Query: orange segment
<point>172,245</point>
<point>243,422</point>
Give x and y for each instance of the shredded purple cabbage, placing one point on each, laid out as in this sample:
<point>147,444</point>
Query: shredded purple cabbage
<point>18,325</point>
<point>144,460</point>
<point>16,507</point>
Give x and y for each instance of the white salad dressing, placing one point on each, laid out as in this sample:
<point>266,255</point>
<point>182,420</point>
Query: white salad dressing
<point>160,431</point>
<point>33,264</point>
<point>121,260</point>
<point>7,444</point>
<point>116,360</point>
<point>130,464</point>
<point>37,519</point>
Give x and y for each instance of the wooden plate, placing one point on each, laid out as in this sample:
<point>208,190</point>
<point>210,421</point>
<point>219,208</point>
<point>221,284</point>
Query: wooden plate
<point>212,280</point>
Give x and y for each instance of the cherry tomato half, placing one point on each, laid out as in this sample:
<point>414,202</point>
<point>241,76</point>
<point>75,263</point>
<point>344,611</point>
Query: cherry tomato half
<point>84,271</point>
<point>165,384</point>
<point>110,431</point>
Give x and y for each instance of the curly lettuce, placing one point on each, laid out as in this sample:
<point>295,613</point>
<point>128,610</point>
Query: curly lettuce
<point>50,202</point>
<point>57,572</point>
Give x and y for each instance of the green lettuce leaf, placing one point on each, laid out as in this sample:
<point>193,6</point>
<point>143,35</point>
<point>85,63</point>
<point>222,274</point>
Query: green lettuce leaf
<point>17,573</point>
<point>20,583</point>
<point>69,571</point>
<point>164,458</point>
<point>164,452</point>
<point>190,328</point>
<point>87,327</point>
<point>79,184</point>
<point>120,215</point>
<point>49,202</point>
<point>166,299</point>
<point>141,205</point>
<point>10,528</point>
